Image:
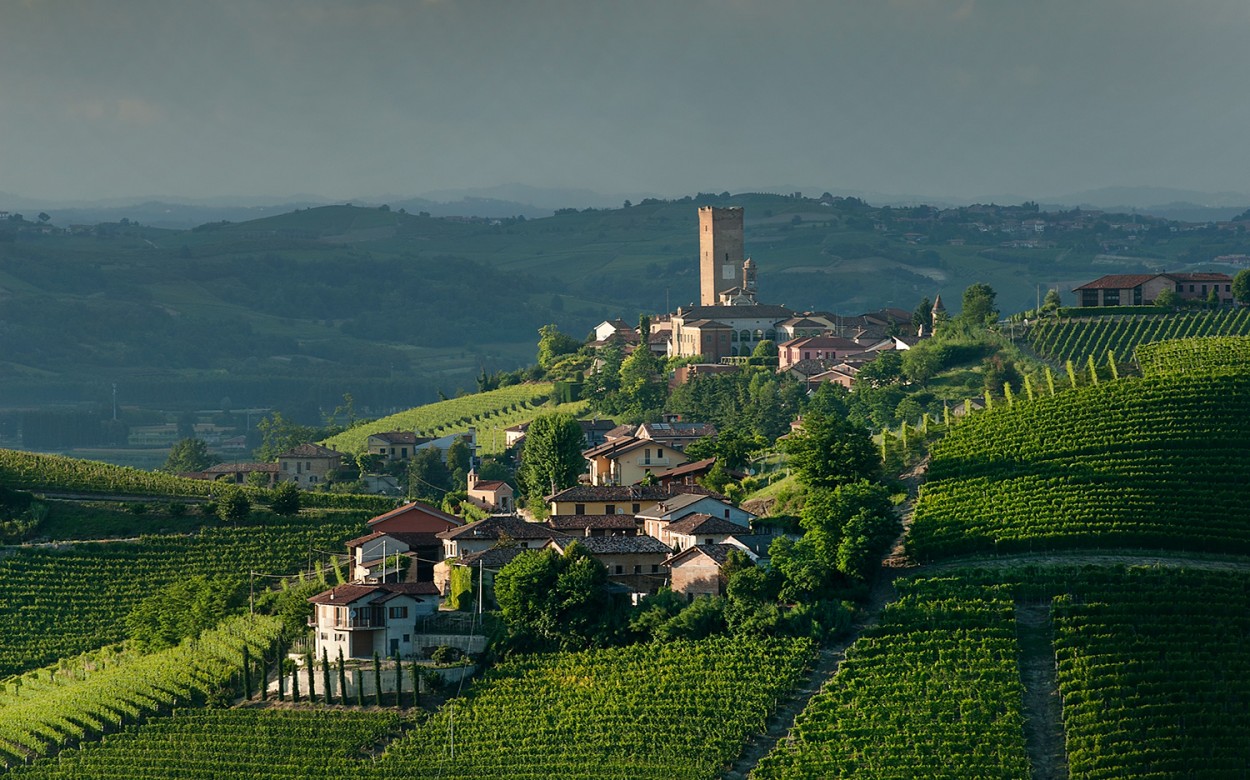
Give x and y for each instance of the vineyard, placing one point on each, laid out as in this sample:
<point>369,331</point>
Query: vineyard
<point>932,691</point>
<point>500,408</point>
<point>1152,670</point>
<point>681,710</point>
<point>67,712</point>
<point>1077,340</point>
<point>58,474</point>
<point>1146,463</point>
<point>59,603</point>
<point>1190,356</point>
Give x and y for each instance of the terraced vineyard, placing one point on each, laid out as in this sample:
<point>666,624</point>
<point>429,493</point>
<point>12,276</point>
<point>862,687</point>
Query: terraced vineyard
<point>680,710</point>
<point>487,411</point>
<point>82,709</point>
<point>1145,462</point>
<point>932,691</point>
<point>56,473</point>
<point>59,603</point>
<point>1078,339</point>
<point>1153,672</point>
<point>241,743</point>
<point>1195,356</point>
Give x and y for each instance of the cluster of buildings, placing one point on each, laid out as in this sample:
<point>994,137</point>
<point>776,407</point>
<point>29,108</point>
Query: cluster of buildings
<point>729,322</point>
<point>641,514</point>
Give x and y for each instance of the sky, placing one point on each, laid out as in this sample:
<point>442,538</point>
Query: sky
<point>347,99</point>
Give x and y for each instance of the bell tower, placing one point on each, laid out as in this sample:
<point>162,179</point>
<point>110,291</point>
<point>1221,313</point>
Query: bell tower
<point>720,252</point>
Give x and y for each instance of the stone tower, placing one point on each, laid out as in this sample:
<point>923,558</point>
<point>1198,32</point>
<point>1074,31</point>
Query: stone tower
<point>720,252</point>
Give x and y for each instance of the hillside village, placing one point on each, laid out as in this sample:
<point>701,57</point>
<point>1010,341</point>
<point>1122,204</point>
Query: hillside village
<point>719,503</point>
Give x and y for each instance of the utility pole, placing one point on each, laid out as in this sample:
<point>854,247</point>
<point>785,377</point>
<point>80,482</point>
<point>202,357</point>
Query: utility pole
<point>114,402</point>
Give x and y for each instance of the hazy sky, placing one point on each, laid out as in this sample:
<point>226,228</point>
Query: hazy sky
<point>352,98</point>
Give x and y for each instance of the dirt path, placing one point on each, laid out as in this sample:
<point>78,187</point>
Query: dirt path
<point>882,593</point>
<point>1043,710</point>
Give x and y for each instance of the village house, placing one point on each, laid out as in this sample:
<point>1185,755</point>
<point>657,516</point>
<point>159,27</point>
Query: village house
<point>483,566</point>
<point>628,461</point>
<point>675,432</point>
<point>657,519</point>
<point>417,526</point>
<point>362,619</point>
<point>394,445</point>
<point>636,562</point>
<point>238,473</point>
<point>700,570</point>
<point>595,525</point>
<point>308,465</point>
<point>696,529</point>
<point>495,496</point>
<point>494,531</point>
<point>1143,289</point>
<point>593,432</point>
<point>609,499</point>
<point>820,348</point>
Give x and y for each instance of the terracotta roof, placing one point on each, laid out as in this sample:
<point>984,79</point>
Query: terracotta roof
<point>700,523</point>
<point>717,552</point>
<point>352,592</point>
<point>622,545</point>
<point>500,526</point>
<point>310,450</point>
<point>693,467</point>
<point>418,507</point>
<point>597,522</point>
<point>822,342</point>
<point>1116,282</point>
<point>495,556</point>
<point>615,447</point>
<point>613,493</point>
<point>620,431</point>
<point>490,484</point>
<point>1200,277</point>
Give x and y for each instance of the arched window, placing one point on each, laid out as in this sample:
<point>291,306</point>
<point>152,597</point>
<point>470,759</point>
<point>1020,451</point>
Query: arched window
<point>771,335</point>
<point>759,334</point>
<point>733,335</point>
<point>745,335</point>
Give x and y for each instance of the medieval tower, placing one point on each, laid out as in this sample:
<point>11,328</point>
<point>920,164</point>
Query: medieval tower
<point>720,253</point>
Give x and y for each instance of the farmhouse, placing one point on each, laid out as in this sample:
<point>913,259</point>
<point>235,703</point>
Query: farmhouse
<point>361,619</point>
<point>308,465</point>
<point>1143,289</point>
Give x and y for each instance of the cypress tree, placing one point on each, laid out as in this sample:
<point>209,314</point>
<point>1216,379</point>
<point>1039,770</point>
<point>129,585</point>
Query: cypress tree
<point>325,677</point>
<point>294,683</point>
<point>415,672</point>
<point>281,674</point>
<point>360,687</point>
<point>399,682</point>
<point>312,679</point>
<point>377,679</point>
<point>342,680</point>
<point>247,674</point>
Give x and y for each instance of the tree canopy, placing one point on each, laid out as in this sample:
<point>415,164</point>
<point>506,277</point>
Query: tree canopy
<point>829,451</point>
<point>552,457</point>
<point>552,601</point>
<point>189,454</point>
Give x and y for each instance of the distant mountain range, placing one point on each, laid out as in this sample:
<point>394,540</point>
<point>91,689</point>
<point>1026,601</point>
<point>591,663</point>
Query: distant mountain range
<point>513,200</point>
